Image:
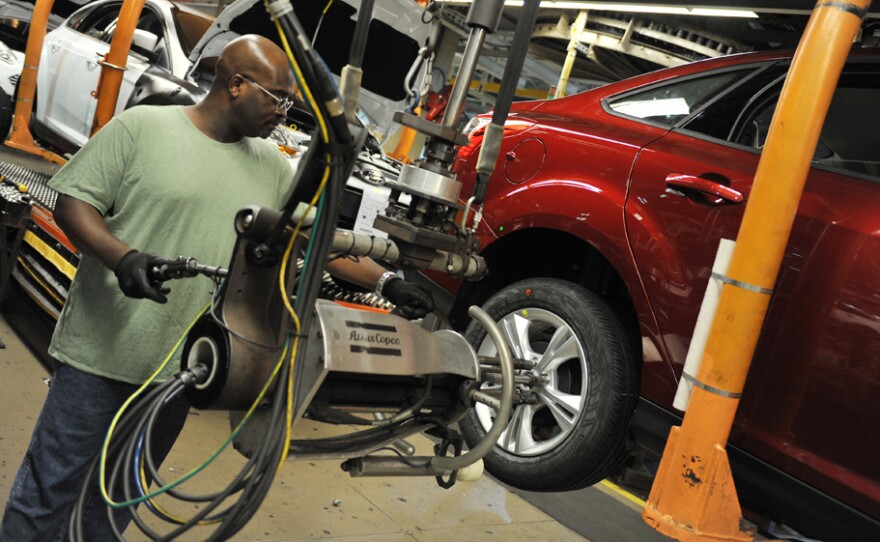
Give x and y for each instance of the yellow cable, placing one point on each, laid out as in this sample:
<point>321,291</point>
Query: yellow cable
<point>287,254</point>
<point>106,446</point>
<point>245,419</point>
<point>234,432</point>
<point>284,298</point>
<point>155,504</point>
<point>324,132</point>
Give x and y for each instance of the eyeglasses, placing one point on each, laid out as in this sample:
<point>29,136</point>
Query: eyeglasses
<point>281,104</point>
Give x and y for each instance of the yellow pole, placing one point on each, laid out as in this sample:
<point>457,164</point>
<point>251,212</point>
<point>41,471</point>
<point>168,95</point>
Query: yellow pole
<point>574,34</point>
<point>693,497</point>
<point>113,64</point>
<point>21,137</point>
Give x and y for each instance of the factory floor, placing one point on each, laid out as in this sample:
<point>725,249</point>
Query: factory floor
<point>309,500</point>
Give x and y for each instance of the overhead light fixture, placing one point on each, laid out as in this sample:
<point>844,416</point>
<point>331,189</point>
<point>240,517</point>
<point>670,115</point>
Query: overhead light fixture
<point>631,8</point>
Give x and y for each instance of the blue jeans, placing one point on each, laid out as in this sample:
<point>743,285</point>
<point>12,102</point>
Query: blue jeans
<point>68,435</point>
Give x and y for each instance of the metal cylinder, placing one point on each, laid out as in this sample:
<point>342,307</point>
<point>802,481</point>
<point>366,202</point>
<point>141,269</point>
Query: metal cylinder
<point>485,14</point>
<point>423,182</point>
<point>463,80</point>
<point>393,466</point>
<point>470,266</point>
<point>255,222</point>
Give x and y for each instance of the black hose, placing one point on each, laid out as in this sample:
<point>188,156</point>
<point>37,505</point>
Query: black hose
<point>361,29</point>
<point>492,140</point>
<point>124,428</point>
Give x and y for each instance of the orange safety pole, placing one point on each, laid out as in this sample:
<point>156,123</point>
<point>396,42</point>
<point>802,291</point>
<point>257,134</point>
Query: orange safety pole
<point>113,64</point>
<point>693,496</point>
<point>21,137</point>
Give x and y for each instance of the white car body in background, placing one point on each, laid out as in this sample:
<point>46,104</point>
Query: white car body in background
<point>165,40</point>
<point>11,64</point>
<point>70,61</point>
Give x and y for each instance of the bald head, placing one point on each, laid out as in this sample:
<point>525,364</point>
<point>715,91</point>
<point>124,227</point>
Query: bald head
<point>251,54</point>
<point>252,86</point>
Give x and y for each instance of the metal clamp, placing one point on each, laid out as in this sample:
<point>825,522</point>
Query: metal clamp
<point>113,66</point>
<point>739,284</point>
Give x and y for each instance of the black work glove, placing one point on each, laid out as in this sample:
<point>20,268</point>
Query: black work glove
<point>132,271</point>
<point>412,300</point>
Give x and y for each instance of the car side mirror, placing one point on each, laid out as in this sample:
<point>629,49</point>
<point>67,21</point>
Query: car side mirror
<point>144,42</point>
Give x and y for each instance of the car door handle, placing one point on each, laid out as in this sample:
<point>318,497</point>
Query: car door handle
<point>54,47</point>
<point>706,186</point>
<point>91,64</point>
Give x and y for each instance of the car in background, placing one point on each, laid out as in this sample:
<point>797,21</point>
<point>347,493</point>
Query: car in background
<point>175,48</point>
<point>15,21</point>
<point>600,227</point>
<point>11,64</point>
<point>165,35</point>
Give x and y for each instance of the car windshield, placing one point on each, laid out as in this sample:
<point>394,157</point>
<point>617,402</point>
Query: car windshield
<point>191,26</point>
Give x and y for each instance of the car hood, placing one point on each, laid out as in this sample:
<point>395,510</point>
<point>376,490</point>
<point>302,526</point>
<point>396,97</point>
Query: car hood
<point>396,35</point>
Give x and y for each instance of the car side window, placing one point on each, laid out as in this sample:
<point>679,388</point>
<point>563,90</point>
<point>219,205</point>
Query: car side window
<point>670,103</point>
<point>849,140</point>
<point>850,133</point>
<point>95,23</point>
<point>13,32</point>
<point>75,20</point>
<point>102,26</point>
<point>722,116</point>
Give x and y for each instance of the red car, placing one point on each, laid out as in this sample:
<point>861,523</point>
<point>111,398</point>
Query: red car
<point>600,228</point>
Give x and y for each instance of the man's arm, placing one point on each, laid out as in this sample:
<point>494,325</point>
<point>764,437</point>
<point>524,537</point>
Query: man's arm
<point>363,272</point>
<point>412,300</point>
<point>85,228</point>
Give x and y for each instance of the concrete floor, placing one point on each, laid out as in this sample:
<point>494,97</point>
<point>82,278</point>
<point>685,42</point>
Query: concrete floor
<point>308,500</point>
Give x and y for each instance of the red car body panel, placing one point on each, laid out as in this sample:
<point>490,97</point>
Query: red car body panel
<point>809,406</point>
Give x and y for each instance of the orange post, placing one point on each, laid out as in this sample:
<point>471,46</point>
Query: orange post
<point>113,64</point>
<point>693,497</point>
<point>405,143</point>
<point>21,137</point>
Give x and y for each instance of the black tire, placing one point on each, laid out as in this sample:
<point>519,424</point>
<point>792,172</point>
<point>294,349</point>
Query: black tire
<point>593,387</point>
<point>7,108</point>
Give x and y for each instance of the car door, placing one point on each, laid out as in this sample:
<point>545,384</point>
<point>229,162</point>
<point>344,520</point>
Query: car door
<point>809,397</point>
<point>70,69</point>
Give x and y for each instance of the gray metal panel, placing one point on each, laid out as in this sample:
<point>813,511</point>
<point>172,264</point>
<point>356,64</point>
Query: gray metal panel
<point>358,341</point>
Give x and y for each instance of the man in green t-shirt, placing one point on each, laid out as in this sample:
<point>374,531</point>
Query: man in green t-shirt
<point>155,180</point>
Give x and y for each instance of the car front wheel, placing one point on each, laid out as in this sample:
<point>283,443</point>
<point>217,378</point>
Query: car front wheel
<point>572,408</point>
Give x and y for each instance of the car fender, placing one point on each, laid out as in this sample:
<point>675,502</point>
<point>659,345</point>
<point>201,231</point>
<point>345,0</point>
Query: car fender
<point>158,87</point>
<point>594,214</point>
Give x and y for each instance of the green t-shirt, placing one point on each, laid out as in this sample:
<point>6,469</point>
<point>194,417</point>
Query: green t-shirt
<point>163,187</point>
